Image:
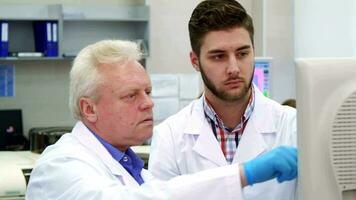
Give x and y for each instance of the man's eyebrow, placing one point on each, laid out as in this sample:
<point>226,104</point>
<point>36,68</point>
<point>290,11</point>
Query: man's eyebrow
<point>133,88</point>
<point>244,47</point>
<point>216,51</point>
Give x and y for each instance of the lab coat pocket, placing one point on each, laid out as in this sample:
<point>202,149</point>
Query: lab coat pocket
<point>270,139</point>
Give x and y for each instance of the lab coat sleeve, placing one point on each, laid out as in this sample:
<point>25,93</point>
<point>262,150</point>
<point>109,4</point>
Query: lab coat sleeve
<point>163,162</point>
<point>64,179</point>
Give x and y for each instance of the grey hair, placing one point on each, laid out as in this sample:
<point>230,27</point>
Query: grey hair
<point>85,76</point>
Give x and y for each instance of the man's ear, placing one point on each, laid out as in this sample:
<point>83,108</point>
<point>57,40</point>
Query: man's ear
<point>194,60</point>
<point>88,109</point>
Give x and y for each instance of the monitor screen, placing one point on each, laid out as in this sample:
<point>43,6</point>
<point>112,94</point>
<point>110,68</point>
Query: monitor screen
<point>261,77</point>
<point>11,122</point>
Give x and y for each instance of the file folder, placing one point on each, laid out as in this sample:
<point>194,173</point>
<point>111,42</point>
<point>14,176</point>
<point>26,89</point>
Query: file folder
<point>54,47</point>
<point>44,38</point>
<point>4,40</point>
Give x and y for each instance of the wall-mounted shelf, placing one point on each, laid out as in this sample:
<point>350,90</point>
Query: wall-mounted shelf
<point>78,26</point>
<point>30,12</point>
<point>29,58</point>
<point>106,13</point>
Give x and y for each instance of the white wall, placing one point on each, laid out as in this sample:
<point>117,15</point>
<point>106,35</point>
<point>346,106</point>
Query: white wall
<point>303,28</point>
<point>169,37</point>
<point>278,43</point>
<point>325,28</point>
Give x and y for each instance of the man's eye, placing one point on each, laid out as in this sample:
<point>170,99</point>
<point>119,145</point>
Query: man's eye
<point>242,54</point>
<point>218,57</point>
<point>131,96</point>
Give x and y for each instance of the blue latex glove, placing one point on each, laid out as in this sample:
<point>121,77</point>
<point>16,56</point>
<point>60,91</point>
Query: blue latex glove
<point>280,162</point>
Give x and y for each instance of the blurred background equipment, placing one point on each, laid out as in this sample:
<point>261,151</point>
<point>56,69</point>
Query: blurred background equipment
<point>11,131</point>
<point>41,137</point>
<point>15,170</point>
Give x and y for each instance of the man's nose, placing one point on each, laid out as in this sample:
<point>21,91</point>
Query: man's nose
<point>233,67</point>
<point>147,102</point>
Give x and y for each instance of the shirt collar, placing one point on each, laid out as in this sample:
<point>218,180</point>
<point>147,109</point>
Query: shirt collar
<point>118,155</point>
<point>212,115</point>
<point>114,152</point>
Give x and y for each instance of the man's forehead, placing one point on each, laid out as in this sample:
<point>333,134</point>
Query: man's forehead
<point>121,75</point>
<point>133,82</point>
<point>139,79</point>
<point>121,65</point>
<point>225,37</point>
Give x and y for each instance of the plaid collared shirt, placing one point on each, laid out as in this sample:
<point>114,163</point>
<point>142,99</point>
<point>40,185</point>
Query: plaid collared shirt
<point>228,139</point>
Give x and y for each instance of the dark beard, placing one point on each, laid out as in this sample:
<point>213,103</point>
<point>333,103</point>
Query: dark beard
<point>222,94</point>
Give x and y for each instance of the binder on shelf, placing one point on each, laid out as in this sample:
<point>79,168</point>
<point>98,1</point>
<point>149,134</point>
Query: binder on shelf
<point>4,40</point>
<point>44,38</point>
<point>54,49</point>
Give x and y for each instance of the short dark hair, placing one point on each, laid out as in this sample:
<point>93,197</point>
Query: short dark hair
<point>213,15</point>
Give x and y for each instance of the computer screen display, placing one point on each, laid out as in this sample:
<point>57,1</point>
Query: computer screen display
<point>261,77</point>
<point>11,122</point>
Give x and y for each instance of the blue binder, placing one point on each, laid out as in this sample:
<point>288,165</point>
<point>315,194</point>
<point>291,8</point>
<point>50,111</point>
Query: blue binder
<point>4,39</point>
<point>43,31</point>
<point>54,49</point>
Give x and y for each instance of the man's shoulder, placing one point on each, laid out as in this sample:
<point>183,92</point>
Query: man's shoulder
<point>277,107</point>
<point>67,147</point>
<point>280,114</point>
<point>286,111</point>
<point>184,114</point>
<point>182,118</point>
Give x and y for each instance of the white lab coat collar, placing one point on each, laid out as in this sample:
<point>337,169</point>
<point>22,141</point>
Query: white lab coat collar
<point>262,115</point>
<point>87,139</point>
<point>260,122</point>
<point>206,144</point>
<point>252,142</point>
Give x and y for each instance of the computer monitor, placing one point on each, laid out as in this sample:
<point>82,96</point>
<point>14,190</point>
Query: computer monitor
<point>326,123</point>
<point>11,122</point>
<point>261,77</point>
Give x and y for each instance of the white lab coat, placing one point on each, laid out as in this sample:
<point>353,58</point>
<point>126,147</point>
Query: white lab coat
<point>185,144</point>
<point>78,167</point>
